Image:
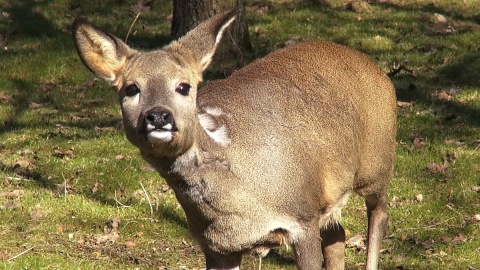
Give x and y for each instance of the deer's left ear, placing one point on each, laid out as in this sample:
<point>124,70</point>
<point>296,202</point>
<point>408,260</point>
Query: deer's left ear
<point>202,41</point>
<point>104,54</point>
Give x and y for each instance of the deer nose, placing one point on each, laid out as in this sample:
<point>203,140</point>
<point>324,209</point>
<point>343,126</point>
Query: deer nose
<point>159,119</point>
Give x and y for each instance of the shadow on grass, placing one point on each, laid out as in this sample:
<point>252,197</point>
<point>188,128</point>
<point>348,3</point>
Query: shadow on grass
<point>452,74</point>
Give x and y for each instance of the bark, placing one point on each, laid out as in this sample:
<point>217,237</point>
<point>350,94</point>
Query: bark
<point>236,43</point>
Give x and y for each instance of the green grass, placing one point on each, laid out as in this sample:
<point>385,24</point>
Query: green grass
<point>59,128</point>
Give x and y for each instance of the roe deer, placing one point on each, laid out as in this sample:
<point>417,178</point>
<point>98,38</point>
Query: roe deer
<point>266,157</point>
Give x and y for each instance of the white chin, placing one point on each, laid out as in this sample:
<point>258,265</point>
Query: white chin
<point>160,136</point>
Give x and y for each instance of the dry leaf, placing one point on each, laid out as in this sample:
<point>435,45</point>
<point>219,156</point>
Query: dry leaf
<point>34,105</point>
<point>459,238</point>
<point>441,95</point>
<point>95,187</point>
<point>419,197</point>
<point>435,168</point>
<point>15,203</point>
<point>357,241</point>
<point>404,104</point>
<point>112,225</point>
<point>67,153</point>
<point>105,128</point>
<point>45,87</point>
<point>455,143</point>
<point>147,168</point>
<point>12,194</point>
<point>104,238</point>
<point>87,84</point>
<point>440,18</point>
<point>130,244</point>
<point>37,214</point>
<point>4,98</point>
<point>64,188</point>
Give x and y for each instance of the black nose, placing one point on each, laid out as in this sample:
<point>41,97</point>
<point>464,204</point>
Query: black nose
<point>159,118</point>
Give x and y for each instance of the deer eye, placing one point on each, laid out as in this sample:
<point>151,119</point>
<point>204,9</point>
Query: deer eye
<point>183,89</point>
<point>131,90</point>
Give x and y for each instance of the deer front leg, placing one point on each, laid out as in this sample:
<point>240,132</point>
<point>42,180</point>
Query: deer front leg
<point>333,247</point>
<point>223,262</point>
<point>308,250</point>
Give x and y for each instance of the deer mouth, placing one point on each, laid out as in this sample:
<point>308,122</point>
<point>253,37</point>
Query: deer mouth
<point>163,133</point>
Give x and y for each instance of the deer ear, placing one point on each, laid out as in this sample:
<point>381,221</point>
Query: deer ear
<point>202,41</point>
<point>104,54</point>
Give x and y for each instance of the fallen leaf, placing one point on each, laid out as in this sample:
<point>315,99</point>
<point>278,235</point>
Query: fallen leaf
<point>419,197</point>
<point>441,95</point>
<point>165,188</point>
<point>440,18</point>
<point>455,143</point>
<point>404,104</point>
<point>67,153</point>
<point>104,238</point>
<point>445,239</point>
<point>60,228</point>
<point>37,214</point>
<point>64,188</point>
<point>34,105</point>
<point>435,168</point>
<point>23,163</point>
<point>45,87</point>
<point>418,143</point>
<point>87,84</point>
<point>459,238</point>
<point>12,194</point>
<point>357,241</point>
<point>147,168</point>
<point>130,244</point>
<point>15,203</point>
<point>112,225</point>
<point>4,98</point>
<point>105,128</point>
<point>95,187</point>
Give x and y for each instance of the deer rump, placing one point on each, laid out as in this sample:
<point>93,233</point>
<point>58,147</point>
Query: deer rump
<point>266,157</point>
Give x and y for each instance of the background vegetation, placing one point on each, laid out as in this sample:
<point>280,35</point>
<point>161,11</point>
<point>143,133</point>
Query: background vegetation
<point>74,194</point>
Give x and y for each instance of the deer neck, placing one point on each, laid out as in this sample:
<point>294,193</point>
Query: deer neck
<point>205,153</point>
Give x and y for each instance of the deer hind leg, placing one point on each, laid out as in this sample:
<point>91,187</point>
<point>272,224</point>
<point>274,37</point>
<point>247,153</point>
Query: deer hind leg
<point>223,262</point>
<point>333,247</point>
<point>377,227</point>
<point>308,250</point>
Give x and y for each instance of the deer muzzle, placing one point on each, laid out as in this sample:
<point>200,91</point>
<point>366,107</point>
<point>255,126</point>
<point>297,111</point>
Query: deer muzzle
<point>160,125</point>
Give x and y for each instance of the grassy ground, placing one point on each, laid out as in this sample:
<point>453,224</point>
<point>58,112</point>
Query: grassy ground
<point>68,174</point>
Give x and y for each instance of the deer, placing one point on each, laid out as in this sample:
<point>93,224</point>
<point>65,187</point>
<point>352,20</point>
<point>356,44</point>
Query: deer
<point>267,157</point>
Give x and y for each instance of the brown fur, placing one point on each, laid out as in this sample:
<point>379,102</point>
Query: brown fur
<point>268,156</point>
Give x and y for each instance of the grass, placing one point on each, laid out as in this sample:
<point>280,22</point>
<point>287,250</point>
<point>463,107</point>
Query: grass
<point>62,148</point>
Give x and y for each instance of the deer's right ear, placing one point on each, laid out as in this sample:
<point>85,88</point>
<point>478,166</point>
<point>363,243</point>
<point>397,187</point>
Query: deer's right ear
<point>104,54</point>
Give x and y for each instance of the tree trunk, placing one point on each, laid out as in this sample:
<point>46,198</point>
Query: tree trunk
<point>236,43</point>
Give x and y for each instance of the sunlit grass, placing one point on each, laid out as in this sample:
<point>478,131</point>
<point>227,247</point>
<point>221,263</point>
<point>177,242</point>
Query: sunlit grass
<point>58,129</point>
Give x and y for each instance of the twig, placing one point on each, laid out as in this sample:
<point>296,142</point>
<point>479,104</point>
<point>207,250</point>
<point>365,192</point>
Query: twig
<point>19,254</point>
<point>395,70</point>
<point>131,26</point>
<point>148,199</point>
<point>117,201</point>
<point>425,227</point>
<point>478,145</point>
